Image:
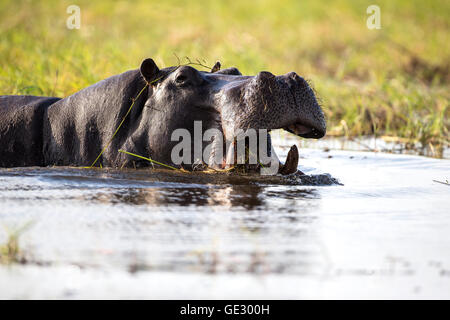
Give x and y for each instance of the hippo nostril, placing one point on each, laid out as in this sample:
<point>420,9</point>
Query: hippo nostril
<point>294,76</point>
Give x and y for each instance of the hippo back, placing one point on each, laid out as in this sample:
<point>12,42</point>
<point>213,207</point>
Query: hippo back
<point>21,130</point>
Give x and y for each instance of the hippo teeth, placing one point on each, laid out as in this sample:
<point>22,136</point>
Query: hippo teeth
<point>290,166</point>
<point>230,158</point>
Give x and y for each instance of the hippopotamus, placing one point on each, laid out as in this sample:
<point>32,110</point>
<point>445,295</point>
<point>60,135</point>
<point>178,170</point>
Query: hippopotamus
<point>141,111</point>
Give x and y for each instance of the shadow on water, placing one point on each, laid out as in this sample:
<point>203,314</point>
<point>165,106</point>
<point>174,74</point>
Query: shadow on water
<point>249,197</point>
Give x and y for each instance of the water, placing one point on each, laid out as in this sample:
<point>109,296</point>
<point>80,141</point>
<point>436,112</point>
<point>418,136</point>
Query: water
<point>134,234</point>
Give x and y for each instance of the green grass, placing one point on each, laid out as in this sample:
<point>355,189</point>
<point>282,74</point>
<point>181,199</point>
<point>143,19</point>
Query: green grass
<point>10,252</point>
<point>393,81</point>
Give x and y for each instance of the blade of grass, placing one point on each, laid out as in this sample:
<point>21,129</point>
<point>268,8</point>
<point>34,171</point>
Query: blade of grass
<point>118,127</point>
<point>132,104</point>
<point>151,160</point>
<point>442,182</point>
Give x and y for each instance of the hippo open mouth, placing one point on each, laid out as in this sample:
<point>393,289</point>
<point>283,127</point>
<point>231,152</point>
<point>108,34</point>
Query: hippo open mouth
<point>267,102</point>
<point>304,130</point>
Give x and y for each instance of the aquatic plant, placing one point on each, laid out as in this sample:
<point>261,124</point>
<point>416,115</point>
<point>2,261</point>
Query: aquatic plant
<point>10,252</point>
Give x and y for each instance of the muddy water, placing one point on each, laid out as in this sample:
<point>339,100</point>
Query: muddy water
<point>133,234</point>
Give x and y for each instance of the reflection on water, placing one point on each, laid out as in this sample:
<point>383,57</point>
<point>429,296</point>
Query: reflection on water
<point>145,224</point>
<point>250,197</point>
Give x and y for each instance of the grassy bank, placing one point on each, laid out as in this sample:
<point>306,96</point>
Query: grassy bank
<point>393,81</point>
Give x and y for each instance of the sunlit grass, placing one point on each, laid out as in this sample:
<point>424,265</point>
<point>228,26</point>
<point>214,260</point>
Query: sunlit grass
<point>393,81</point>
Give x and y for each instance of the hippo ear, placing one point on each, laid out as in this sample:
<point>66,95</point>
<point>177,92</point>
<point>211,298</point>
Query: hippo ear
<point>149,70</point>
<point>216,67</point>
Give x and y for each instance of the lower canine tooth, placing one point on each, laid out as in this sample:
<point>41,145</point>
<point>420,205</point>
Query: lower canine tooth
<point>290,166</point>
<point>231,155</point>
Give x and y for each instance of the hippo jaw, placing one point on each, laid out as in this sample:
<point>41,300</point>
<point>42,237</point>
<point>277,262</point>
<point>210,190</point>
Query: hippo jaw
<point>271,102</point>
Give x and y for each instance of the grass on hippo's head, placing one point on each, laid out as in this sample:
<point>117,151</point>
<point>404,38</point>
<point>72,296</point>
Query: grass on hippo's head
<point>189,62</point>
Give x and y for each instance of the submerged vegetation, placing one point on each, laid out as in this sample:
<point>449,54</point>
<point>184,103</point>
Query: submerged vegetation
<point>389,82</point>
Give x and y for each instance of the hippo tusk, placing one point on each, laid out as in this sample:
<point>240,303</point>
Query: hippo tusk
<point>216,67</point>
<point>290,166</point>
<point>231,155</point>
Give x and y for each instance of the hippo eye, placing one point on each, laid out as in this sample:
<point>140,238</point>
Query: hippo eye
<point>181,79</point>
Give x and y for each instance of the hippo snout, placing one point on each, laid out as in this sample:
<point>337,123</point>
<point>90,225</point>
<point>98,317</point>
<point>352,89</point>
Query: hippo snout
<point>266,101</point>
<point>310,119</point>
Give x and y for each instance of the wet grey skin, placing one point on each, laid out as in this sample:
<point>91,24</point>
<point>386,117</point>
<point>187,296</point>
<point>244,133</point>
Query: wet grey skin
<point>47,131</point>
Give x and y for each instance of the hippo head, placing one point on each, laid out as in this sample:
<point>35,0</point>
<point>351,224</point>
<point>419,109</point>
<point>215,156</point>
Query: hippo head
<point>223,119</point>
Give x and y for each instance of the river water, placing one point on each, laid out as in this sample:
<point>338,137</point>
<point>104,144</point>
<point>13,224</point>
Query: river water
<point>132,234</point>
